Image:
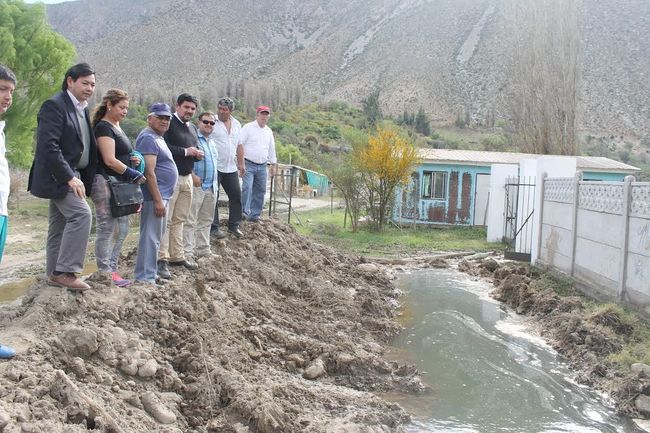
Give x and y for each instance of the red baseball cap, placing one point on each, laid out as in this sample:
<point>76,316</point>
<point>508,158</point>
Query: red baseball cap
<point>262,108</point>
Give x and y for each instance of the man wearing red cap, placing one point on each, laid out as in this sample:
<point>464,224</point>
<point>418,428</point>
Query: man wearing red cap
<point>257,146</point>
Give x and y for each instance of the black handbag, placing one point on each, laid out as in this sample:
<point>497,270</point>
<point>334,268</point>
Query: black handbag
<point>126,197</point>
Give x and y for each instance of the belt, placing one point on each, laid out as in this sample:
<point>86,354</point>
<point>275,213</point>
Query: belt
<point>254,163</point>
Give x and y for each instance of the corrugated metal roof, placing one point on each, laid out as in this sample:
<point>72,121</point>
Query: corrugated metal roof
<point>479,157</point>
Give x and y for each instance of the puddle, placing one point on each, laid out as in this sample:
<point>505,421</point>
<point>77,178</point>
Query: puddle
<point>13,290</point>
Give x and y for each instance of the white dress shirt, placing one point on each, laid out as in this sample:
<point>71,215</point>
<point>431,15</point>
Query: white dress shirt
<point>80,106</point>
<point>258,143</point>
<point>227,144</point>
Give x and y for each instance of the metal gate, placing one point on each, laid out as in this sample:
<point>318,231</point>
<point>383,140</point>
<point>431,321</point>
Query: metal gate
<point>519,210</point>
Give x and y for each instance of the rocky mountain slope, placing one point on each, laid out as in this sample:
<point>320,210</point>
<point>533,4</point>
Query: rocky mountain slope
<point>445,55</point>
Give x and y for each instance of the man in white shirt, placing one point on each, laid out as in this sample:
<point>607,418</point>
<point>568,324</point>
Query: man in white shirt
<point>226,135</point>
<point>7,87</point>
<point>258,149</point>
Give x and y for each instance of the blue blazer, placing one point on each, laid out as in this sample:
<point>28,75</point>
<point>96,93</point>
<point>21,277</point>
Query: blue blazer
<point>58,149</point>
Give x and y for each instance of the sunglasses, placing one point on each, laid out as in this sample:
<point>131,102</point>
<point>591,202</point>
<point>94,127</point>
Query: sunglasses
<point>208,122</point>
<point>167,118</point>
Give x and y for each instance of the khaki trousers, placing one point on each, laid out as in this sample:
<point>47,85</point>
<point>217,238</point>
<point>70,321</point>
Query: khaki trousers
<point>196,233</point>
<point>171,246</point>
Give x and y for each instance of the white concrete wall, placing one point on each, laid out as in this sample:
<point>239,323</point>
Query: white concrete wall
<point>553,166</point>
<point>496,217</point>
<point>638,260</point>
<point>611,234</point>
<point>557,236</point>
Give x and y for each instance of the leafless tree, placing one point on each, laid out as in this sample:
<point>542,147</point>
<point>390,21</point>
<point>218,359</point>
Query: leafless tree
<point>545,71</point>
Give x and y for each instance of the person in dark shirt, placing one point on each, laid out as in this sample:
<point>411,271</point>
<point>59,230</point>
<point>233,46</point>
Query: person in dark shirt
<point>183,142</point>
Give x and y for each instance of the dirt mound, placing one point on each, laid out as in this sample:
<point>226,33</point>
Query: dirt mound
<point>277,334</point>
<point>585,337</point>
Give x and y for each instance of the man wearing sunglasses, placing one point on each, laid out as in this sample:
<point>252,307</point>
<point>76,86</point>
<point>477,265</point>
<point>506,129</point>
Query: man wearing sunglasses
<point>196,232</point>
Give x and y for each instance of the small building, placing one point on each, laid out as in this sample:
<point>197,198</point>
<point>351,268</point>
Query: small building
<point>452,186</point>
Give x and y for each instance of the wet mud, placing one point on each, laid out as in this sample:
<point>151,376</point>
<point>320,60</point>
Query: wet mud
<point>275,334</point>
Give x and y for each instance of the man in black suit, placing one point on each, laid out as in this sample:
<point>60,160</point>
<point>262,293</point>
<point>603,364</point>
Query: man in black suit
<point>65,162</point>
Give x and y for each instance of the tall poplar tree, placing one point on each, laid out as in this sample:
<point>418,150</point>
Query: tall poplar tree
<point>39,57</point>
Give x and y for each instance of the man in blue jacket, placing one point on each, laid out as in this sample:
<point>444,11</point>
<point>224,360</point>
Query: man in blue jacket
<point>65,162</point>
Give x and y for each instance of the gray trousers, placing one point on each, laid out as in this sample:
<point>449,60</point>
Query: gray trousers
<point>67,236</point>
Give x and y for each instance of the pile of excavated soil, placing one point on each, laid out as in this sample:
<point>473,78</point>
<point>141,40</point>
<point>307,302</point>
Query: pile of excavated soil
<point>586,337</point>
<point>277,334</point>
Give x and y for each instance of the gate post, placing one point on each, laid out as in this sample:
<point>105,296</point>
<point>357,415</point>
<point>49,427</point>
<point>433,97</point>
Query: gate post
<point>574,218</point>
<point>622,276</point>
<point>541,215</point>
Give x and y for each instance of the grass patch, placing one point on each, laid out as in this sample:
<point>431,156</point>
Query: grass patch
<point>561,286</point>
<point>327,227</point>
<point>635,334</point>
<point>630,331</point>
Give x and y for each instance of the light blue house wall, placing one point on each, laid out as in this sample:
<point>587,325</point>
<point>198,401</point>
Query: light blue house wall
<point>457,207</point>
<point>605,177</point>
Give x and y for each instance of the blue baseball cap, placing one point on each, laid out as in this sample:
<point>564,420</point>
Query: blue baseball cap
<point>160,109</point>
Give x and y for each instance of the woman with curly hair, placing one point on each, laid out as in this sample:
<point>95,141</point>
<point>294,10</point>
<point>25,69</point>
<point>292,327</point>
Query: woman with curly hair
<point>115,159</point>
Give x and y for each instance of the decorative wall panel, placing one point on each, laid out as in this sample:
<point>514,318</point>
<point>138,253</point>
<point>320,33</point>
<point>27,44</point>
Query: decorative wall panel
<point>559,189</point>
<point>640,206</point>
<point>601,197</point>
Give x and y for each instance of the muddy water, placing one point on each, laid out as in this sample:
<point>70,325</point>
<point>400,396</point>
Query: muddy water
<point>487,372</point>
<point>11,291</point>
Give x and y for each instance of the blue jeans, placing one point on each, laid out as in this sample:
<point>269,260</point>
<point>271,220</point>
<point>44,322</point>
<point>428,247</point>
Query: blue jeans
<point>253,189</point>
<point>111,231</point>
<point>151,232</point>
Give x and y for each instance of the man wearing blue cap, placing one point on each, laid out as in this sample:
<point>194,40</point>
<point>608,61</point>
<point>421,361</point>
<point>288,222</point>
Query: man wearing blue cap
<point>162,175</point>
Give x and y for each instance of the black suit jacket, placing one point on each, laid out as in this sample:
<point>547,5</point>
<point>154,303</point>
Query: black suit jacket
<point>58,149</point>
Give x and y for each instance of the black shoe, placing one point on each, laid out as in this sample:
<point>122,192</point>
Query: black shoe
<point>253,220</point>
<point>236,233</point>
<point>163,270</point>
<point>217,234</point>
<point>188,264</point>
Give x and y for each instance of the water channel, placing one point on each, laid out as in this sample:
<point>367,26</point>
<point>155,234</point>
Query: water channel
<point>488,373</point>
